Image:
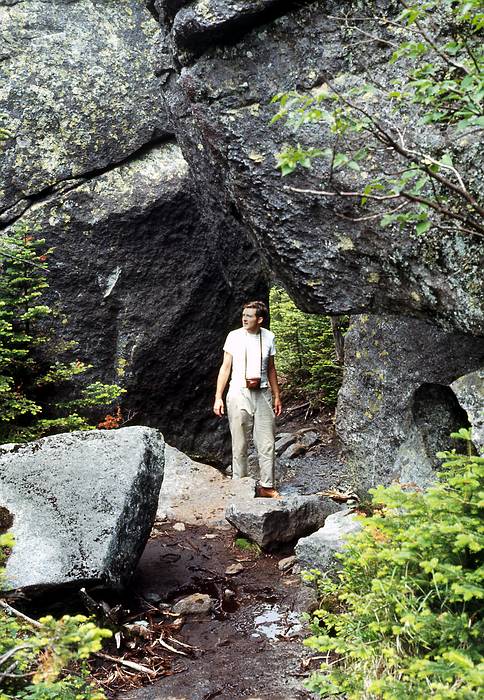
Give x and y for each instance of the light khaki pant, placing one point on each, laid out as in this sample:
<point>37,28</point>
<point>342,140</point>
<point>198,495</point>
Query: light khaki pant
<point>250,412</point>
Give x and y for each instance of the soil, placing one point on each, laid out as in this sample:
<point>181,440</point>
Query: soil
<point>250,644</point>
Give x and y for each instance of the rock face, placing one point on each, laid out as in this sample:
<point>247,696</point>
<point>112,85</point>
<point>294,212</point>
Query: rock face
<point>149,293</point>
<point>270,522</point>
<point>79,92</point>
<point>148,286</point>
<point>469,390</point>
<point>316,551</point>
<point>219,103</point>
<point>396,408</point>
<point>83,505</point>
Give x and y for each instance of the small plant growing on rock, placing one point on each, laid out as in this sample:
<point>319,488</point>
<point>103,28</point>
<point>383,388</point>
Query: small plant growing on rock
<point>403,619</point>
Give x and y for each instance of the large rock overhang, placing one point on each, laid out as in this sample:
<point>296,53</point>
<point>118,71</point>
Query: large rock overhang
<point>219,98</point>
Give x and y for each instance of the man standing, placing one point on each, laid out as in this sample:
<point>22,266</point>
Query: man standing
<point>249,355</point>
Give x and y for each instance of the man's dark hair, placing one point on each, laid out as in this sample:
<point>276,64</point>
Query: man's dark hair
<point>260,308</point>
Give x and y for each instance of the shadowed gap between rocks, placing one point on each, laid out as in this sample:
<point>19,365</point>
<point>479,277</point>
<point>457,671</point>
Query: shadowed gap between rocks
<point>229,32</point>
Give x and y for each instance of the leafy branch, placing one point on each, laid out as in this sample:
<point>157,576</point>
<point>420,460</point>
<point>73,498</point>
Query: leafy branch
<point>445,90</point>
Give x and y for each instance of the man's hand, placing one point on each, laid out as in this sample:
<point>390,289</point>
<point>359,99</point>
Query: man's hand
<point>277,406</point>
<point>218,407</point>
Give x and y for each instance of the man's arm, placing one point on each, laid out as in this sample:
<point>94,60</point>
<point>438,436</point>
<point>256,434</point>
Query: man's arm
<point>272,377</point>
<point>222,379</point>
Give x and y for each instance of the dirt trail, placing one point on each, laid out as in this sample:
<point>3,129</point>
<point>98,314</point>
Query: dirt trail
<point>250,645</point>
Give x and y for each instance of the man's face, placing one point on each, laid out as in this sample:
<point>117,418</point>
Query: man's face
<point>250,320</point>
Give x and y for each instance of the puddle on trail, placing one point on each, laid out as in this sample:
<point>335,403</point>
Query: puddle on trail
<point>273,622</point>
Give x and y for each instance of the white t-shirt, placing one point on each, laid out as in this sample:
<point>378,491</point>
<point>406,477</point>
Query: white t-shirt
<point>241,341</point>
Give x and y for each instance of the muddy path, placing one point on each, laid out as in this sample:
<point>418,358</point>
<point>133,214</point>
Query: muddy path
<point>249,645</point>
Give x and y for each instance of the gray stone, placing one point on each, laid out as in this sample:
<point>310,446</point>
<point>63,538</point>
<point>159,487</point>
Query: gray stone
<point>309,438</point>
<point>318,549</point>
<point>78,90</point>
<point>220,109</point>
<point>286,563</point>
<point>270,522</point>
<point>132,255</point>
<point>234,569</point>
<point>395,407</point>
<point>195,604</point>
<point>197,493</point>
<point>469,390</point>
<point>283,441</point>
<point>83,505</point>
<point>205,21</point>
<point>295,450</point>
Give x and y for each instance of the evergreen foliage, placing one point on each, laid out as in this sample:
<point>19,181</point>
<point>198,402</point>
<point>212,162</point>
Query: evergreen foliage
<point>34,657</point>
<point>29,350</point>
<point>438,49</point>
<point>403,619</point>
<point>305,351</point>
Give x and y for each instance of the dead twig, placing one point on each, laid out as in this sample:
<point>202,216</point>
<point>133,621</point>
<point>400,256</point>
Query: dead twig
<point>293,409</point>
<point>182,644</point>
<point>170,648</point>
<point>6,656</point>
<point>16,613</point>
<point>124,662</point>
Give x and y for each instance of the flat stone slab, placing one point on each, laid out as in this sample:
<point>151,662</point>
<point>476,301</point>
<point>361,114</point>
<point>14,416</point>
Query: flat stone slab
<point>83,505</point>
<point>270,521</point>
<point>283,441</point>
<point>196,493</point>
<point>316,551</point>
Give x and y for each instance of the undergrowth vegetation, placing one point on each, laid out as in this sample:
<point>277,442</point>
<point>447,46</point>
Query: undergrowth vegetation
<point>306,356</point>
<point>32,355</point>
<point>46,660</point>
<point>403,618</point>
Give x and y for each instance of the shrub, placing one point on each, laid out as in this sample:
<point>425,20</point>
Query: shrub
<point>30,368</point>
<point>34,656</point>
<point>306,356</point>
<point>403,619</point>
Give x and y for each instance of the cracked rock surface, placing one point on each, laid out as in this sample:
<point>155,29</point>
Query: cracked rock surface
<point>83,505</point>
<point>220,107</point>
<point>78,90</point>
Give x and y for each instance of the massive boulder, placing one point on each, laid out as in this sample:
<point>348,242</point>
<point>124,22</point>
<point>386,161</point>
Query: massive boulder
<point>396,407</point>
<point>83,505</point>
<point>222,63</point>
<point>147,285</point>
<point>148,291</point>
<point>78,91</point>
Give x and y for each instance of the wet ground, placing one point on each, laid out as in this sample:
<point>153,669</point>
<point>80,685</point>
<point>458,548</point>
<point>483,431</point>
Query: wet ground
<point>250,644</point>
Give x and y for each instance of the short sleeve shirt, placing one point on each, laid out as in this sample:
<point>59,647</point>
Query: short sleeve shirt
<point>245,349</point>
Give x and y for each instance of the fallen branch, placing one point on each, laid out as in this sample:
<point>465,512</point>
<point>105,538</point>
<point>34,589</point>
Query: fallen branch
<point>297,408</point>
<point>170,648</point>
<point>16,613</point>
<point>125,662</point>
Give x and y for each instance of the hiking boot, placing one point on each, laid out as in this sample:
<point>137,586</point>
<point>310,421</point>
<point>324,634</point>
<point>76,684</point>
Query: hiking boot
<point>266,492</point>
